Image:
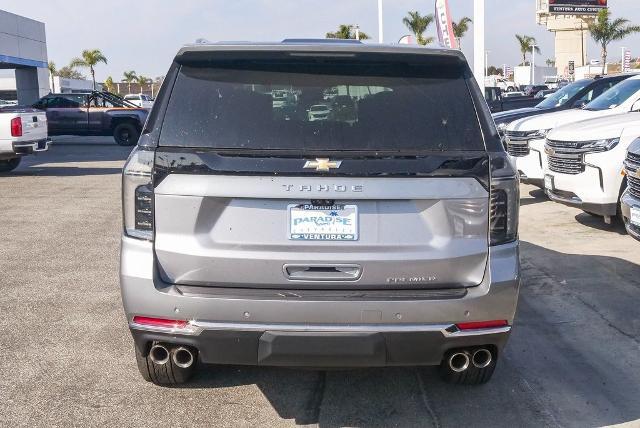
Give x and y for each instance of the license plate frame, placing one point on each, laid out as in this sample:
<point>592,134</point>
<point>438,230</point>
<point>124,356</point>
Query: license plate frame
<point>335,227</point>
<point>634,216</point>
<point>549,182</point>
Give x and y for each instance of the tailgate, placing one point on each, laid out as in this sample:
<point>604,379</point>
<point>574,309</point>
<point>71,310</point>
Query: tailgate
<point>34,126</point>
<point>290,232</point>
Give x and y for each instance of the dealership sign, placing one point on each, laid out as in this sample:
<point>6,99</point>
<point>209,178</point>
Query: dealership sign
<point>576,7</point>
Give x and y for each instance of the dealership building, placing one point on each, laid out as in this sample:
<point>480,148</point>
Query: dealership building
<point>23,48</point>
<point>569,21</point>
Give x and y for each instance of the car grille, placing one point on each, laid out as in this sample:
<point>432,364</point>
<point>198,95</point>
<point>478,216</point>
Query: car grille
<point>518,143</point>
<point>632,165</point>
<point>518,148</point>
<point>562,157</point>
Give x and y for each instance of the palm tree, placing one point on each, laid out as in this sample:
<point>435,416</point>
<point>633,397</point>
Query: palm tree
<point>550,62</point>
<point>142,80</point>
<point>345,32</point>
<point>526,43</point>
<point>108,83</point>
<point>418,24</point>
<point>605,31</point>
<point>460,28</point>
<point>89,60</point>
<point>52,71</point>
<point>68,72</point>
<point>130,76</point>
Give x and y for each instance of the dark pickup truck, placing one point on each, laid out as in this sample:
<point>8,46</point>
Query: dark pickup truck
<point>93,113</point>
<point>497,102</point>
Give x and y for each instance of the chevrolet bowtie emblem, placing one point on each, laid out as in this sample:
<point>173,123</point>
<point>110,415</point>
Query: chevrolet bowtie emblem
<point>322,164</point>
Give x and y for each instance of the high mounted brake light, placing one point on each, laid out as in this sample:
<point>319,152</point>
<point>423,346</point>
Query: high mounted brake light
<point>16,127</point>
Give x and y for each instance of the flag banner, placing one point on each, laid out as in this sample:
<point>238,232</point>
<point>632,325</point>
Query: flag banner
<point>445,25</point>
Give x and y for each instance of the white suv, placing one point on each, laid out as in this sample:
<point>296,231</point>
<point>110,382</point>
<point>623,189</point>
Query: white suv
<point>525,138</point>
<point>585,162</point>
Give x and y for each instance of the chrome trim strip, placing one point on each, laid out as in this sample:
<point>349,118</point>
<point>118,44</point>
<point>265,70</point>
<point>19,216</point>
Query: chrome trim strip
<point>196,327</point>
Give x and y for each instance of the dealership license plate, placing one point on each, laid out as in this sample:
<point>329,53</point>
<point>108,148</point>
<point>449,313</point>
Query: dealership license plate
<point>323,223</point>
<point>548,182</point>
<point>635,216</point>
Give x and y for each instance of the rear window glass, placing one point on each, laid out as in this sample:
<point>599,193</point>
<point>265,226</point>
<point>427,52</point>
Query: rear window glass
<point>355,106</point>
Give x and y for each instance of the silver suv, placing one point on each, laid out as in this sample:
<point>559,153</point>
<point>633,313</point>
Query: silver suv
<point>383,235</point>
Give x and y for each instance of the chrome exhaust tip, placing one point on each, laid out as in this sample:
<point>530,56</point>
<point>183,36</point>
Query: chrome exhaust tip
<point>458,361</point>
<point>481,358</point>
<point>182,357</point>
<point>159,354</point>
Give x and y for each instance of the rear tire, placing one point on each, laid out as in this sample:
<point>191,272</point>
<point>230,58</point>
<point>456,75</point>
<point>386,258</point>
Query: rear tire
<point>162,374</point>
<point>126,134</point>
<point>8,165</point>
<point>470,376</point>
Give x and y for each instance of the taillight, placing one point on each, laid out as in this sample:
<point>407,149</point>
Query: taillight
<point>475,325</point>
<point>16,127</point>
<point>137,194</point>
<point>160,322</point>
<point>504,200</point>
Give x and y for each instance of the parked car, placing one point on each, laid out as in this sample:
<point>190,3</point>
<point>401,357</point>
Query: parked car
<point>585,160</point>
<point>23,131</point>
<point>630,202</point>
<point>531,90</point>
<point>262,241</point>
<point>141,100</point>
<point>525,138</point>
<point>498,101</point>
<point>544,93</point>
<point>318,112</point>
<point>93,113</point>
<point>8,103</point>
<point>575,95</point>
<point>515,94</point>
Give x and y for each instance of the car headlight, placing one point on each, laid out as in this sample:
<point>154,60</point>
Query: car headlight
<point>541,133</point>
<point>600,145</point>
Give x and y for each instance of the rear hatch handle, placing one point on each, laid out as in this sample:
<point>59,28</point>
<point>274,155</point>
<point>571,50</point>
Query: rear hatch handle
<point>322,272</point>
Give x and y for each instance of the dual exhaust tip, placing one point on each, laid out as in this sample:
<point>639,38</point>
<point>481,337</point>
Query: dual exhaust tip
<point>181,356</point>
<point>460,361</point>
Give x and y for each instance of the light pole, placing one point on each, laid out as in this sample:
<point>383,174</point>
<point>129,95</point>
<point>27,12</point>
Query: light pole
<point>380,36</point>
<point>478,42</point>
<point>486,63</point>
<point>533,64</point>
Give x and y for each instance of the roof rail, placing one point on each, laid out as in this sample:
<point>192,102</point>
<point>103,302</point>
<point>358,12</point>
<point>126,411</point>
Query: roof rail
<point>322,41</point>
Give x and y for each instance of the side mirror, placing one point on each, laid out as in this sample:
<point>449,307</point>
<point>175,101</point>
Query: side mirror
<point>579,104</point>
<point>636,106</point>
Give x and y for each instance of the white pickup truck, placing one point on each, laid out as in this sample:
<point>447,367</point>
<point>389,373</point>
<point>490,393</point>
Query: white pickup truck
<point>23,131</point>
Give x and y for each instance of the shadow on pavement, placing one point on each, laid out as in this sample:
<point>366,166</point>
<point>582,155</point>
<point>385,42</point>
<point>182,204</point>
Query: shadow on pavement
<point>597,222</point>
<point>537,196</point>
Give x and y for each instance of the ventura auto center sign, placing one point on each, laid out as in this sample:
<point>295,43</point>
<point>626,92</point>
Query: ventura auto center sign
<point>576,7</point>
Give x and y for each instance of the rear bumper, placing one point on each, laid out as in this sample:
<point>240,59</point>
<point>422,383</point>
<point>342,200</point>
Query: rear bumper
<point>13,149</point>
<point>283,328</point>
<point>627,202</point>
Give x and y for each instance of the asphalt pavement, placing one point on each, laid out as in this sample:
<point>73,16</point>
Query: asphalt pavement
<point>67,355</point>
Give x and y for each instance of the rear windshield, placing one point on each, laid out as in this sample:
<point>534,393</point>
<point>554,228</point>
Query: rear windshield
<point>364,107</point>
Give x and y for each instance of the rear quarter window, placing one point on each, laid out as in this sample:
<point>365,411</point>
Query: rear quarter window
<point>372,107</point>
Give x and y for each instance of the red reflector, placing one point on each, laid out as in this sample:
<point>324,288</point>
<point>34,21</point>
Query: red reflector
<point>160,322</point>
<point>482,324</point>
<point>16,127</point>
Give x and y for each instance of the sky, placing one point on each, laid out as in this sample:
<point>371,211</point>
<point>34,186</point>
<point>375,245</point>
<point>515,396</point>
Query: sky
<point>144,35</point>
